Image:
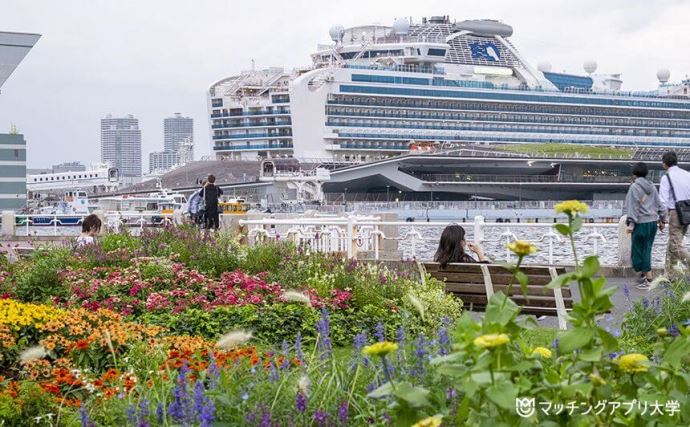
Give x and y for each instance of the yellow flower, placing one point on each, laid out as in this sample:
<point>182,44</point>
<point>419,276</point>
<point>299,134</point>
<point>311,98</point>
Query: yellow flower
<point>633,362</point>
<point>543,352</point>
<point>434,421</point>
<point>571,207</point>
<point>597,379</point>
<point>522,248</point>
<point>491,340</point>
<point>380,348</point>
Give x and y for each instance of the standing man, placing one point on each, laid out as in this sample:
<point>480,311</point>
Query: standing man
<point>211,195</point>
<point>675,186</point>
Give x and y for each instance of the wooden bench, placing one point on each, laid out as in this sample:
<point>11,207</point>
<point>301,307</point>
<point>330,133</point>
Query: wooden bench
<point>475,283</point>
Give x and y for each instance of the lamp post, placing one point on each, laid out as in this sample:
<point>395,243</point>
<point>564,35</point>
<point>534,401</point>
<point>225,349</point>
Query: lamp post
<point>345,198</point>
<point>388,199</point>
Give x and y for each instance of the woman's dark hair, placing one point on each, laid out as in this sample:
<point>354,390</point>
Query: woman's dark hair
<point>640,170</point>
<point>91,222</point>
<point>669,158</point>
<point>449,247</point>
<point>211,179</point>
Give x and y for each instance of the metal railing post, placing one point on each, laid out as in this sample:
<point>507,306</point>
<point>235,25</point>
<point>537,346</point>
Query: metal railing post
<point>478,229</point>
<point>349,235</point>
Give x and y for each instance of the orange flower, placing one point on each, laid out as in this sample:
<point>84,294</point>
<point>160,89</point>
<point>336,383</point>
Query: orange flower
<point>82,344</point>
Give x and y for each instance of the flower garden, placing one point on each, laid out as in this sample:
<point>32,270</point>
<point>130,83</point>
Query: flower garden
<point>177,328</point>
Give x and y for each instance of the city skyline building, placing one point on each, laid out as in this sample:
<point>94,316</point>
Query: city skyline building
<point>121,144</point>
<point>177,130</point>
<point>13,48</point>
<point>178,144</point>
<point>68,167</point>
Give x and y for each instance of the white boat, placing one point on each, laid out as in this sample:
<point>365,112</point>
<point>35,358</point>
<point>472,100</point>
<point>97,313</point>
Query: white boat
<point>67,211</point>
<point>152,208</point>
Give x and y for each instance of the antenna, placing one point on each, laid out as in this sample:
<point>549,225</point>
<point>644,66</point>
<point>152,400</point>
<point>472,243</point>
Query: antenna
<point>13,129</point>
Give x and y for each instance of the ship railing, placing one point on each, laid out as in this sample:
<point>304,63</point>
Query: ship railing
<point>113,222</point>
<point>353,235</point>
<point>55,221</point>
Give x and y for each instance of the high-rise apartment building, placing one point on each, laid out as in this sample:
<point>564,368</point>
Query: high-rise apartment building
<point>178,144</point>
<point>12,171</point>
<point>121,144</point>
<point>177,130</point>
<point>13,48</point>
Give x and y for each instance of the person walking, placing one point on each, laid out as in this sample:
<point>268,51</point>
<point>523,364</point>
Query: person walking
<point>212,194</point>
<point>645,213</point>
<point>675,187</point>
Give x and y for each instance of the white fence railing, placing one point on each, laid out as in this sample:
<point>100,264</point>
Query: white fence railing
<point>54,225</point>
<point>354,234</point>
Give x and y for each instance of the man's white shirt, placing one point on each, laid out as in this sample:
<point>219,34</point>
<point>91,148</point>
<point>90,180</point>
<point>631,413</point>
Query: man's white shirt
<point>681,186</point>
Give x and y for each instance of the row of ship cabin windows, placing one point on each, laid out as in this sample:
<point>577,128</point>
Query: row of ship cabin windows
<point>63,178</point>
<point>531,118</point>
<point>391,124</point>
<point>512,107</point>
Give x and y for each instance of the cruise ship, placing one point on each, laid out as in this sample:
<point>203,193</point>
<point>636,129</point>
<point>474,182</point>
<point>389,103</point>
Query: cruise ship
<point>376,91</point>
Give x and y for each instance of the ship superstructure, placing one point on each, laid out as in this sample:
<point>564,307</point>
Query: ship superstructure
<point>378,90</point>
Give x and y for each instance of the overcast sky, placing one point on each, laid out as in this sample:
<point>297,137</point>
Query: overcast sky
<point>152,58</point>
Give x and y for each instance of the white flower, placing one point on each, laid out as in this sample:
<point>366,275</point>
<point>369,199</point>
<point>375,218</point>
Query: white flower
<point>90,387</point>
<point>686,297</point>
<point>296,296</point>
<point>659,280</point>
<point>680,268</point>
<point>32,353</point>
<point>304,384</point>
<point>233,339</point>
<point>417,304</point>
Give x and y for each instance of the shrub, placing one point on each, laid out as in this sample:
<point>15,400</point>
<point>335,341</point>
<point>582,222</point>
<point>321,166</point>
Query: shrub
<point>38,280</point>
<point>124,240</point>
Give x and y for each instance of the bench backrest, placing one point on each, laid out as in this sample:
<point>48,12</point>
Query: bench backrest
<point>474,283</point>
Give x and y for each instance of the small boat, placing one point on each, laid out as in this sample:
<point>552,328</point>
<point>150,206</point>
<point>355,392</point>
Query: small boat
<point>154,208</point>
<point>233,206</point>
<point>70,211</point>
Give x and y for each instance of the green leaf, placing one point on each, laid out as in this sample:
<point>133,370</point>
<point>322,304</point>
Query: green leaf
<point>561,280</point>
<point>383,391</point>
<point>522,278</point>
<point>675,352</point>
<point>501,309</point>
<point>590,266</point>
<point>577,224</point>
<point>574,339</point>
<point>416,397</point>
<point>592,355</point>
<point>502,394</point>
<point>563,229</point>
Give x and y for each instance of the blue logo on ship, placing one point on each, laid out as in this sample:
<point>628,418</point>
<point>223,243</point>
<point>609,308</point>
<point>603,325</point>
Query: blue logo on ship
<point>487,51</point>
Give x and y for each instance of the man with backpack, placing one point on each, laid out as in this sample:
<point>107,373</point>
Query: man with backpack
<point>211,196</point>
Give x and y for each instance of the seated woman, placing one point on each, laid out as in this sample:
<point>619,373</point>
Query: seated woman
<point>90,228</point>
<point>452,246</point>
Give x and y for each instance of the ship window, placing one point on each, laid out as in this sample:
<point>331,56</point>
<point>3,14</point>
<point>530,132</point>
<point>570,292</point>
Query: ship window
<point>437,52</point>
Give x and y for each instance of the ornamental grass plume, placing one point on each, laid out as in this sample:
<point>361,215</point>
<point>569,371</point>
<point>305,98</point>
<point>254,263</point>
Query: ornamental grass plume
<point>542,352</point>
<point>380,348</point>
<point>491,340</point>
<point>657,281</point>
<point>292,295</point>
<point>571,207</point>
<point>433,421</point>
<point>32,353</point>
<point>417,304</point>
<point>522,248</point>
<point>233,339</point>
<point>304,385</point>
<point>633,363</point>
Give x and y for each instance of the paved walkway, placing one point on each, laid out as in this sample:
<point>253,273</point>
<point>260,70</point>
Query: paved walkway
<point>621,303</point>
